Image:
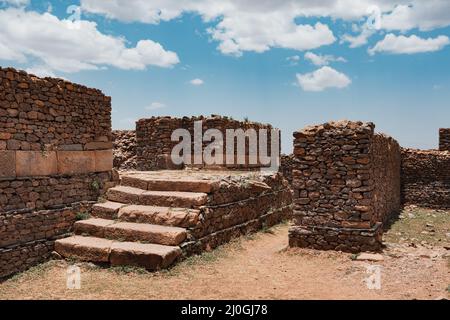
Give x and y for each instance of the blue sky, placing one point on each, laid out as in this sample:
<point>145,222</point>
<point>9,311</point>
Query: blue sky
<point>399,78</point>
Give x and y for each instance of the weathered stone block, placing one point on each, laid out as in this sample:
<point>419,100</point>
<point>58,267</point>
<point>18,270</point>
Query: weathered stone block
<point>75,162</point>
<point>70,147</point>
<point>103,160</point>
<point>36,163</point>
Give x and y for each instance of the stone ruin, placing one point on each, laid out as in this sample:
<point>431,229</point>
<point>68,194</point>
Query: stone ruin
<point>154,144</point>
<point>55,155</point>
<point>426,178</point>
<point>56,150</point>
<point>346,181</point>
<point>156,216</point>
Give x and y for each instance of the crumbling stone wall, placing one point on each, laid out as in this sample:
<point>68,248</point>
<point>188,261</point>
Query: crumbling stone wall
<point>55,151</point>
<point>346,182</point>
<point>426,178</point>
<point>286,166</point>
<point>154,145</point>
<point>124,149</point>
<point>240,205</point>
<point>444,139</point>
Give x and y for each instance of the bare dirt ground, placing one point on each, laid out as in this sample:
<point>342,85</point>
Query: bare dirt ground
<point>416,265</point>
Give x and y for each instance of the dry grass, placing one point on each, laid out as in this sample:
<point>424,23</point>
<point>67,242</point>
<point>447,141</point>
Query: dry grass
<point>258,266</point>
<point>420,226</point>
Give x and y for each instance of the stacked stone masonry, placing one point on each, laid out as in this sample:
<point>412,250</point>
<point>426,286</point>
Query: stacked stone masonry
<point>444,139</point>
<point>286,166</point>
<point>200,209</point>
<point>124,149</point>
<point>55,152</point>
<point>346,182</point>
<point>426,178</point>
<point>154,143</point>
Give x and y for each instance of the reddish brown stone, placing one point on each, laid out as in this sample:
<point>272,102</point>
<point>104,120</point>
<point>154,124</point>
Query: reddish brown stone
<point>8,164</point>
<point>103,160</point>
<point>149,256</point>
<point>76,162</point>
<point>36,163</point>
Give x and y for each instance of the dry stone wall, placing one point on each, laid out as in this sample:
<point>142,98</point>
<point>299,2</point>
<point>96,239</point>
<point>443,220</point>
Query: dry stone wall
<point>124,149</point>
<point>346,182</point>
<point>426,178</point>
<point>238,206</point>
<point>444,139</point>
<point>154,144</point>
<point>287,163</point>
<point>55,152</point>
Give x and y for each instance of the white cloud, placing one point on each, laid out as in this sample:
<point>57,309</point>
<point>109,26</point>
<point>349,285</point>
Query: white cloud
<point>359,40</point>
<point>259,25</point>
<point>259,33</point>
<point>323,78</point>
<point>41,71</point>
<point>322,60</point>
<point>196,82</point>
<point>239,26</point>
<point>67,46</point>
<point>155,106</point>
<point>409,45</point>
<point>425,15</point>
<point>293,60</point>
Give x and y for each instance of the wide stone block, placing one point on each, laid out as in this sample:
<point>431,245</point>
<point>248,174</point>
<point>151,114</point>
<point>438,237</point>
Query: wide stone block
<point>76,162</point>
<point>149,256</point>
<point>103,160</point>
<point>7,164</point>
<point>98,145</point>
<point>36,163</point>
<point>84,248</point>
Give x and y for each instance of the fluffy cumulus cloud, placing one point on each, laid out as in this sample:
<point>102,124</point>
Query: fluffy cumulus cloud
<point>258,25</point>
<point>425,15</point>
<point>196,82</point>
<point>323,78</point>
<point>322,60</point>
<point>67,46</point>
<point>409,45</point>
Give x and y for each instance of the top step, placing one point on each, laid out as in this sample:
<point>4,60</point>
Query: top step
<point>173,199</point>
<point>184,184</point>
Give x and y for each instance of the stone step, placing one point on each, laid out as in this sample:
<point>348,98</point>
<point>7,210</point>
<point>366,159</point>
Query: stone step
<point>149,256</point>
<point>165,216</point>
<point>131,195</point>
<point>107,210</point>
<point>84,248</point>
<point>129,231</point>
<point>169,184</point>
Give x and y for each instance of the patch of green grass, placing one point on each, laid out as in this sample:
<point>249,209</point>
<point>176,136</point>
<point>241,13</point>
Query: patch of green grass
<point>82,216</point>
<point>266,229</point>
<point>95,186</point>
<point>420,225</point>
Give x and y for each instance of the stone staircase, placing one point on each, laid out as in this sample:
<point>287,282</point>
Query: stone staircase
<point>143,223</point>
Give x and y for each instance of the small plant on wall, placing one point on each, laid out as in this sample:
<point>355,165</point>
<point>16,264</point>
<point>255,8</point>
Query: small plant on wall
<point>82,215</point>
<point>95,186</point>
